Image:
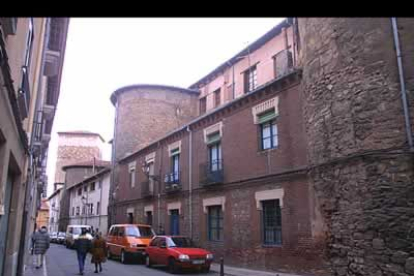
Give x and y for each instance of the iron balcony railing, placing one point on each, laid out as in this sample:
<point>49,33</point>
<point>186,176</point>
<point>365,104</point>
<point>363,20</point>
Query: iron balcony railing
<point>212,172</point>
<point>172,182</point>
<point>147,189</point>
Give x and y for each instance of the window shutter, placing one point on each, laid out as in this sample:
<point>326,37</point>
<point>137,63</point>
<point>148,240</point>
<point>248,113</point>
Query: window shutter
<point>175,151</point>
<point>213,138</point>
<point>266,116</point>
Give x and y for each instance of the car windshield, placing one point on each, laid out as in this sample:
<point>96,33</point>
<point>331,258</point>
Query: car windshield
<point>180,242</point>
<point>61,234</point>
<point>140,231</point>
<point>146,231</point>
<point>132,231</point>
<point>78,231</point>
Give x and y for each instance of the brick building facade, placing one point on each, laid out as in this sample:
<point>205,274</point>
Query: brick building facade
<point>298,160</point>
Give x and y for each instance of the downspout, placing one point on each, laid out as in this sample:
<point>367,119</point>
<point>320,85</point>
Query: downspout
<point>402,83</point>
<point>190,180</point>
<point>159,191</point>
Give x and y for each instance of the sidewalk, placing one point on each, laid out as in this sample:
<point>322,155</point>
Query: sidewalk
<point>236,271</point>
<point>31,270</point>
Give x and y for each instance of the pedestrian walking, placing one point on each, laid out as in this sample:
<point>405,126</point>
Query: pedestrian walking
<point>98,252</point>
<point>41,243</point>
<point>83,245</point>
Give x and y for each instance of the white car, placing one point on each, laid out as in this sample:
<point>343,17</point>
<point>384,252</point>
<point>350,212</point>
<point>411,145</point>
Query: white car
<point>53,237</point>
<point>73,232</point>
<point>61,237</point>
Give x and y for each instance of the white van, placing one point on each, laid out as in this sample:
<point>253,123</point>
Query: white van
<point>73,232</point>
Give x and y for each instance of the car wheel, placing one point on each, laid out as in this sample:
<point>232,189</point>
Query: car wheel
<point>148,262</point>
<point>123,257</point>
<point>172,266</point>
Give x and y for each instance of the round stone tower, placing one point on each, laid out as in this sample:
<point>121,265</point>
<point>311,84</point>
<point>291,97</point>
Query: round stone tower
<point>145,113</point>
<point>361,164</point>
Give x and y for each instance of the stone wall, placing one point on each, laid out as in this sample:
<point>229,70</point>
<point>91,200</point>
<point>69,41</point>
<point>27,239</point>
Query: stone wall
<point>362,171</point>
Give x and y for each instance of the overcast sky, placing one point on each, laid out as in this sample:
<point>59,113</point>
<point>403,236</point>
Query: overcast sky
<point>104,54</point>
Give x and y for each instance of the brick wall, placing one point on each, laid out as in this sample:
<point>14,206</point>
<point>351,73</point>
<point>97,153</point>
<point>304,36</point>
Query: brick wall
<point>243,162</point>
<point>146,114</point>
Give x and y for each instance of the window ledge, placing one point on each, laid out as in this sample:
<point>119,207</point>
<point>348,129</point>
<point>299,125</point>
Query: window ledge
<point>272,245</point>
<point>215,242</point>
<point>266,151</point>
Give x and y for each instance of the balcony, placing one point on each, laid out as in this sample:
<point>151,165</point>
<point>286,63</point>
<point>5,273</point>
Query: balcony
<point>172,182</point>
<point>212,173</point>
<point>147,189</point>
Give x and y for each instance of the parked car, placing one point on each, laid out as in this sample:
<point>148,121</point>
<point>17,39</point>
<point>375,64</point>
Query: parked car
<point>177,252</point>
<point>61,236</point>
<point>73,232</point>
<point>53,237</point>
<point>128,241</point>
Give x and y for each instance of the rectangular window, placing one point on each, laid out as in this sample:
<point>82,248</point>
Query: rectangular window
<point>215,223</point>
<point>29,43</point>
<point>93,186</point>
<point>132,178</point>
<point>73,211</point>
<point>203,105</point>
<point>250,79</point>
<point>271,222</point>
<point>149,217</point>
<point>91,209</point>
<point>98,208</point>
<point>174,222</point>
<point>85,188</point>
<point>215,157</point>
<point>83,209</point>
<point>100,184</point>
<point>217,97</point>
<point>151,179</point>
<point>268,135</point>
<point>80,191</point>
<point>77,211</point>
<point>175,161</point>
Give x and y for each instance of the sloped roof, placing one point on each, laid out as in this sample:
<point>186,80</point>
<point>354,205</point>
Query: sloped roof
<point>82,132</point>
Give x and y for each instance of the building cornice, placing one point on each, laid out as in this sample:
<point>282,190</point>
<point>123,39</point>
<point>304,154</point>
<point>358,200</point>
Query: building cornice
<point>121,90</point>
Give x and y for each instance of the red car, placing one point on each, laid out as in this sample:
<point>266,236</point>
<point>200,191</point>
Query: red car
<point>177,252</point>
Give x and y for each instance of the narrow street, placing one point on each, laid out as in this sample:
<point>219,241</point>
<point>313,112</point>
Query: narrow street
<point>62,262</point>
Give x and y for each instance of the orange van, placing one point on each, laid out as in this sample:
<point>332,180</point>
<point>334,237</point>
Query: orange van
<point>128,241</point>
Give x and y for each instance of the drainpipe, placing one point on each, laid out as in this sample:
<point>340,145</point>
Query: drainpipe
<point>402,83</point>
<point>159,190</point>
<point>190,180</point>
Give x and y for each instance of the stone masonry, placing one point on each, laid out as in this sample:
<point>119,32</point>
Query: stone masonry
<point>361,168</point>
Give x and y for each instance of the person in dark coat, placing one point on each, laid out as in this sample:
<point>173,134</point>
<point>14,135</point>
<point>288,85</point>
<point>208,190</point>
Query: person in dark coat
<point>41,243</point>
<point>98,252</point>
<point>83,245</point>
